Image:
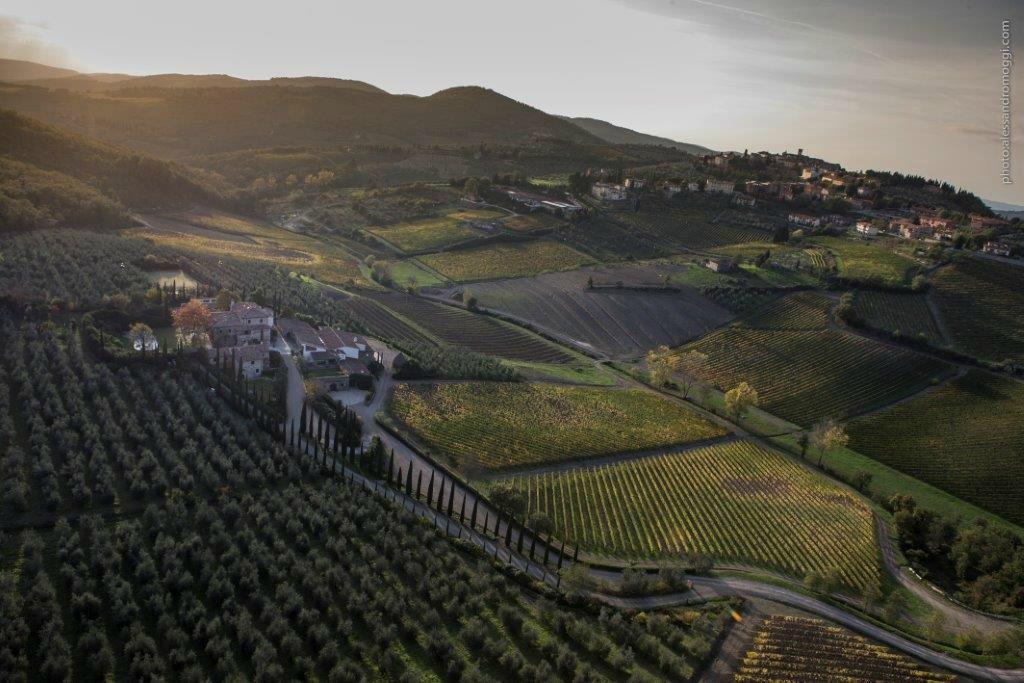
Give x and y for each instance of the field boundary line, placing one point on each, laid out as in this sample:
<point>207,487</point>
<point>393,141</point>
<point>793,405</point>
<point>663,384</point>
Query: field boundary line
<point>606,460</point>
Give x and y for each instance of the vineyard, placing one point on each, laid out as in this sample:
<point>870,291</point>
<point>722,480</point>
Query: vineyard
<point>802,376</point>
<point>982,304</point>
<point>383,322</point>
<point>494,426</point>
<point>905,314</point>
<point>803,311</point>
<point>315,581</point>
<point>516,259</point>
<point>609,242</point>
<point>737,502</point>
<point>799,649</point>
<point>92,436</point>
<point>613,320</point>
<point>474,331</point>
<point>684,230</point>
<point>965,437</point>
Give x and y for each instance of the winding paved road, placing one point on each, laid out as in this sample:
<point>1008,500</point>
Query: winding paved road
<point>704,587</point>
<point>709,587</point>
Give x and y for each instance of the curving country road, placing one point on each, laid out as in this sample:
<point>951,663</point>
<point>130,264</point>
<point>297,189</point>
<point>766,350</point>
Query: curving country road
<point>703,587</point>
<point>707,587</point>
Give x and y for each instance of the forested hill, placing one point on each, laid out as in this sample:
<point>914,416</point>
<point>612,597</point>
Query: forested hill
<point>619,135</point>
<point>52,177</point>
<point>179,122</point>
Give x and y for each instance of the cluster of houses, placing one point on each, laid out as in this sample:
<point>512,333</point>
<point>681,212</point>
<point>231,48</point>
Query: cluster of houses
<point>335,360</point>
<point>807,220</point>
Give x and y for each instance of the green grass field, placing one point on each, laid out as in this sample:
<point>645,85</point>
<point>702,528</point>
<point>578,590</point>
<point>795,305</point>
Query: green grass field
<point>965,437</point>
<point>409,273</point>
<point>737,502</point>
<point>433,233</point>
<point>982,304</point>
<point>530,222</point>
<point>490,426</point>
<point>517,259</point>
<point>867,261</point>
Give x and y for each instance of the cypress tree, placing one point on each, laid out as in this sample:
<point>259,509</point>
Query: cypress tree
<point>561,556</point>
<point>419,481</point>
<point>440,497</point>
<point>462,512</point>
<point>401,478</point>
<point>408,480</point>
<point>430,488</point>
<point>533,545</point>
<point>472,518</point>
<point>508,534</point>
<point>391,468</point>
<point>451,500</point>
<point>302,417</point>
<point>547,549</point>
<point>487,521</point>
<point>519,548</point>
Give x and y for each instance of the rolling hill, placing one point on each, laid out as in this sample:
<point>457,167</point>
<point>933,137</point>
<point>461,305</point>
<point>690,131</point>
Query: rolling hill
<point>12,70</point>
<point>175,116</point>
<point>618,135</point>
<point>50,176</point>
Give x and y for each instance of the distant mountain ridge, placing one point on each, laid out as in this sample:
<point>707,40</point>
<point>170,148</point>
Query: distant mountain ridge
<point>620,135</point>
<point>223,114</point>
<point>20,70</point>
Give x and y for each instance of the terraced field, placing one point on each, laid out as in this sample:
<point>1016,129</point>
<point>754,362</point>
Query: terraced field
<point>906,314</point>
<point>982,305</point>
<point>491,426</point>
<point>618,322</point>
<point>516,259</point>
<point>868,261</point>
<point>803,372</point>
<point>966,437</point>
<point>474,331</point>
<point>737,502</point>
<point>787,648</point>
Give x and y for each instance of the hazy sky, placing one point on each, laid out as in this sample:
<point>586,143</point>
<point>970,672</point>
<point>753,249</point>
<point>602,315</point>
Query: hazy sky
<point>908,85</point>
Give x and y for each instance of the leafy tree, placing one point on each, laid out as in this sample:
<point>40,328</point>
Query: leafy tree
<point>508,499</point>
<point>661,365</point>
<point>827,436</point>
<point>693,367</point>
<point>741,399</point>
<point>192,319</point>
